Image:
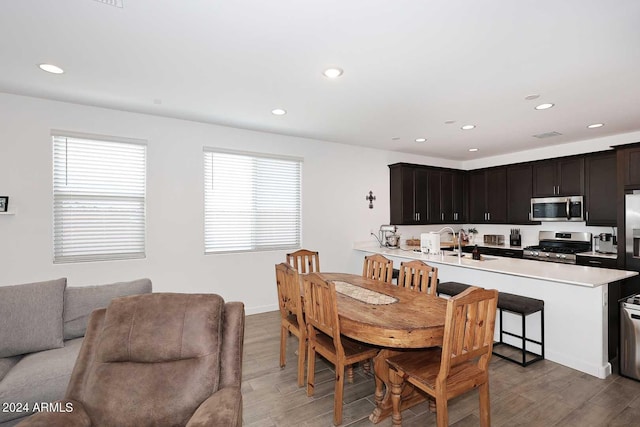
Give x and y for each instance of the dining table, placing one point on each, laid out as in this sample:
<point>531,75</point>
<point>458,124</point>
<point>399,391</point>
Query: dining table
<point>392,318</point>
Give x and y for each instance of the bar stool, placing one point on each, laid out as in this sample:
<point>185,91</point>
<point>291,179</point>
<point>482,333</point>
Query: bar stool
<point>451,288</point>
<point>523,306</point>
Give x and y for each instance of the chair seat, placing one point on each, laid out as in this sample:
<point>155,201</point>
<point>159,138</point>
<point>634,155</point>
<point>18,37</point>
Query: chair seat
<point>423,367</point>
<point>519,304</point>
<point>352,349</point>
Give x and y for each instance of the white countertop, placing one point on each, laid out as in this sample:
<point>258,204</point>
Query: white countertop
<point>554,272</point>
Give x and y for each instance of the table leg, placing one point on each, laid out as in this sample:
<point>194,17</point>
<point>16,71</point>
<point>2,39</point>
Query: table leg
<point>384,407</point>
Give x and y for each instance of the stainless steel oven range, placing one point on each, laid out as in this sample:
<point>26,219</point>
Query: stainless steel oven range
<point>558,246</point>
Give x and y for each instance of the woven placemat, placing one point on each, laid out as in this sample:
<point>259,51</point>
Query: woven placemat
<point>364,295</point>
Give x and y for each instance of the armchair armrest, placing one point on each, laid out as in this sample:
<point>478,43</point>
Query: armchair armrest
<point>222,409</point>
<point>65,413</point>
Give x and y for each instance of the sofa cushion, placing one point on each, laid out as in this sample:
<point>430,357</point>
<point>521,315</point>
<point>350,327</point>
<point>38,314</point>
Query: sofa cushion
<point>31,317</point>
<point>80,301</point>
<point>6,364</point>
<point>39,377</point>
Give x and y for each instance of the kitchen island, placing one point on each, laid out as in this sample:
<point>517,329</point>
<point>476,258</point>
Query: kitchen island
<point>576,299</point>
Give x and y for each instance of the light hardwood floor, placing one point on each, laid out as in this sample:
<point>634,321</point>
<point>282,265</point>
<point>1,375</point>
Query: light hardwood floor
<point>543,394</point>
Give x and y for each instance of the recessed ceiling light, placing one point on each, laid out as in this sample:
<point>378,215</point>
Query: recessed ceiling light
<point>421,139</point>
<point>468,127</point>
<point>473,150</point>
<point>279,112</point>
<point>332,73</point>
<point>449,122</point>
<point>50,68</point>
<point>532,97</point>
<point>544,106</point>
<point>395,138</point>
<point>595,125</point>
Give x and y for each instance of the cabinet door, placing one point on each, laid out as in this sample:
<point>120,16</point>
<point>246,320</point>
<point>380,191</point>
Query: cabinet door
<point>600,189</point>
<point>402,197</point>
<point>632,166</point>
<point>477,197</point>
<point>496,190</point>
<point>571,176</point>
<point>458,197</point>
<point>544,179</point>
<point>519,193</point>
<point>433,198</point>
<point>446,196</point>
<point>420,192</point>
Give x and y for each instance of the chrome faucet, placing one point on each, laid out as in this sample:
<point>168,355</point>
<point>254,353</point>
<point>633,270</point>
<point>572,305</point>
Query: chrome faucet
<point>460,233</point>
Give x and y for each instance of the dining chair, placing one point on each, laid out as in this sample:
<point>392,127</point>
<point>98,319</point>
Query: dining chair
<point>321,310</point>
<point>418,276</point>
<point>305,261</point>
<point>378,267</point>
<point>460,365</point>
<point>291,315</point>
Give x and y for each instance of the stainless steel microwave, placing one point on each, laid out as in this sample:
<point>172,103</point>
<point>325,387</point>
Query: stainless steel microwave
<point>568,208</point>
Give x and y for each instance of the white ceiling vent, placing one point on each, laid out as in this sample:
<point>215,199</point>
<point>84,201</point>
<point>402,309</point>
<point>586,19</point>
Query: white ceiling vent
<point>116,3</point>
<point>547,135</point>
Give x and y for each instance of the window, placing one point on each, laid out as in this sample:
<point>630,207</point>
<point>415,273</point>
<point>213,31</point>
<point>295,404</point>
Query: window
<point>251,201</point>
<point>99,190</point>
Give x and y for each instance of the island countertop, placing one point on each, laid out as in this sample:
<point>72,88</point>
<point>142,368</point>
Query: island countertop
<point>576,275</point>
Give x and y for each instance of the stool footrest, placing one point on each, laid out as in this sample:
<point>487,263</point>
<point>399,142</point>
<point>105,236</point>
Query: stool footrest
<point>535,357</point>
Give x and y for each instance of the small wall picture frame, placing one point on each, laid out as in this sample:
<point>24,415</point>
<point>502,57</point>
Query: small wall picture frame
<point>4,203</point>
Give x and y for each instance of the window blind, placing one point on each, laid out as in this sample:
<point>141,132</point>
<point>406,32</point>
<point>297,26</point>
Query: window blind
<point>99,191</point>
<point>252,202</point>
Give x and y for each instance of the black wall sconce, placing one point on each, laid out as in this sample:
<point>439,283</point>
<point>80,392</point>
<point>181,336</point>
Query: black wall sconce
<point>370,198</point>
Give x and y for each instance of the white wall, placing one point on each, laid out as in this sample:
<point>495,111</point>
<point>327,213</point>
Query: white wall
<point>336,179</point>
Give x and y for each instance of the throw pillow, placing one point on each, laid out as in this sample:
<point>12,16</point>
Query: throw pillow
<point>31,317</point>
<point>80,301</point>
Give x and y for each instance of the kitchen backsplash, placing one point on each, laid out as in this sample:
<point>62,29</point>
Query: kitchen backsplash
<point>529,233</point>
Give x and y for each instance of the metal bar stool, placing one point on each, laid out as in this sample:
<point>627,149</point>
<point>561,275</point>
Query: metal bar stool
<point>523,306</point>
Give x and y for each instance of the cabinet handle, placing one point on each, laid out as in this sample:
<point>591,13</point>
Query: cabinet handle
<point>587,216</point>
<point>418,216</point>
<point>489,216</point>
<point>595,262</point>
<point>442,216</point>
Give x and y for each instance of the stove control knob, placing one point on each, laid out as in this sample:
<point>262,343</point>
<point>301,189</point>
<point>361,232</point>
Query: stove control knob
<point>535,253</point>
<point>557,255</point>
<point>563,256</point>
<point>547,255</point>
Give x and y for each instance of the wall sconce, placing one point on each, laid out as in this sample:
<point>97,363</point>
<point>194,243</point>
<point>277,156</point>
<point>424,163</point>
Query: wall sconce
<point>370,198</point>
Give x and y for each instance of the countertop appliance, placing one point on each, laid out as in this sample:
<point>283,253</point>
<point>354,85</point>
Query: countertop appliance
<point>568,208</point>
<point>606,243</point>
<point>387,236</point>
<point>630,337</point>
<point>555,246</point>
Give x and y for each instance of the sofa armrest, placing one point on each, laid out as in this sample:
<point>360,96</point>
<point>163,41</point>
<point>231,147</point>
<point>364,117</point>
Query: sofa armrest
<point>65,413</point>
<point>222,409</point>
<point>232,343</point>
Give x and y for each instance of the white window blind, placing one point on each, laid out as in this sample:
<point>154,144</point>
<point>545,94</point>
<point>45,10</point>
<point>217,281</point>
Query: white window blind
<point>99,191</point>
<point>252,202</point>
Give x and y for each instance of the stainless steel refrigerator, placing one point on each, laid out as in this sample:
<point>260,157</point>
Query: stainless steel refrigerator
<point>630,306</point>
<point>632,230</point>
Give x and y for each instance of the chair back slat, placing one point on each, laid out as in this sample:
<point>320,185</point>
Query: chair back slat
<point>418,276</point>
<point>304,261</point>
<point>289,296</point>
<point>469,327</point>
<point>321,309</point>
<point>378,267</point>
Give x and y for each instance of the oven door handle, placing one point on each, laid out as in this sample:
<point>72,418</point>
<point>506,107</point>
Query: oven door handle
<point>568,209</point>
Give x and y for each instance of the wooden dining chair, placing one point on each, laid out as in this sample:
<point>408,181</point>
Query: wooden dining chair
<point>291,315</point>
<point>321,310</point>
<point>460,365</point>
<point>378,267</point>
<point>418,276</point>
<point>305,261</point>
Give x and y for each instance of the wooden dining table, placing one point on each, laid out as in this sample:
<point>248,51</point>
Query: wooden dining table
<point>396,319</point>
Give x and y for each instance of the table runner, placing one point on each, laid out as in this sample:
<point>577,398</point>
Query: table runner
<point>364,295</point>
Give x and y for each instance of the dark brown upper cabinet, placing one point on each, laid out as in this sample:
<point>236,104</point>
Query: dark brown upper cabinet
<point>408,194</point>
<point>559,177</point>
<point>630,161</point>
<point>519,193</point>
<point>488,195</point>
<point>426,195</point>
<point>600,187</point>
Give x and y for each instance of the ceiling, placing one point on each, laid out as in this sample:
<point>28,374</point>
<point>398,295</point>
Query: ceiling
<point>409,66</point>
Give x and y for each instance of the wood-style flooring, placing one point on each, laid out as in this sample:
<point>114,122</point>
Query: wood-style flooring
<point>543,394</point>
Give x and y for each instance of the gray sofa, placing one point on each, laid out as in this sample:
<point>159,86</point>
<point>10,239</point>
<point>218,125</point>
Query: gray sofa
<point>42,326</point>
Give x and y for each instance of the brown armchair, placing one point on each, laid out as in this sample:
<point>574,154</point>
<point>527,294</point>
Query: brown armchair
<point>156,359</point>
